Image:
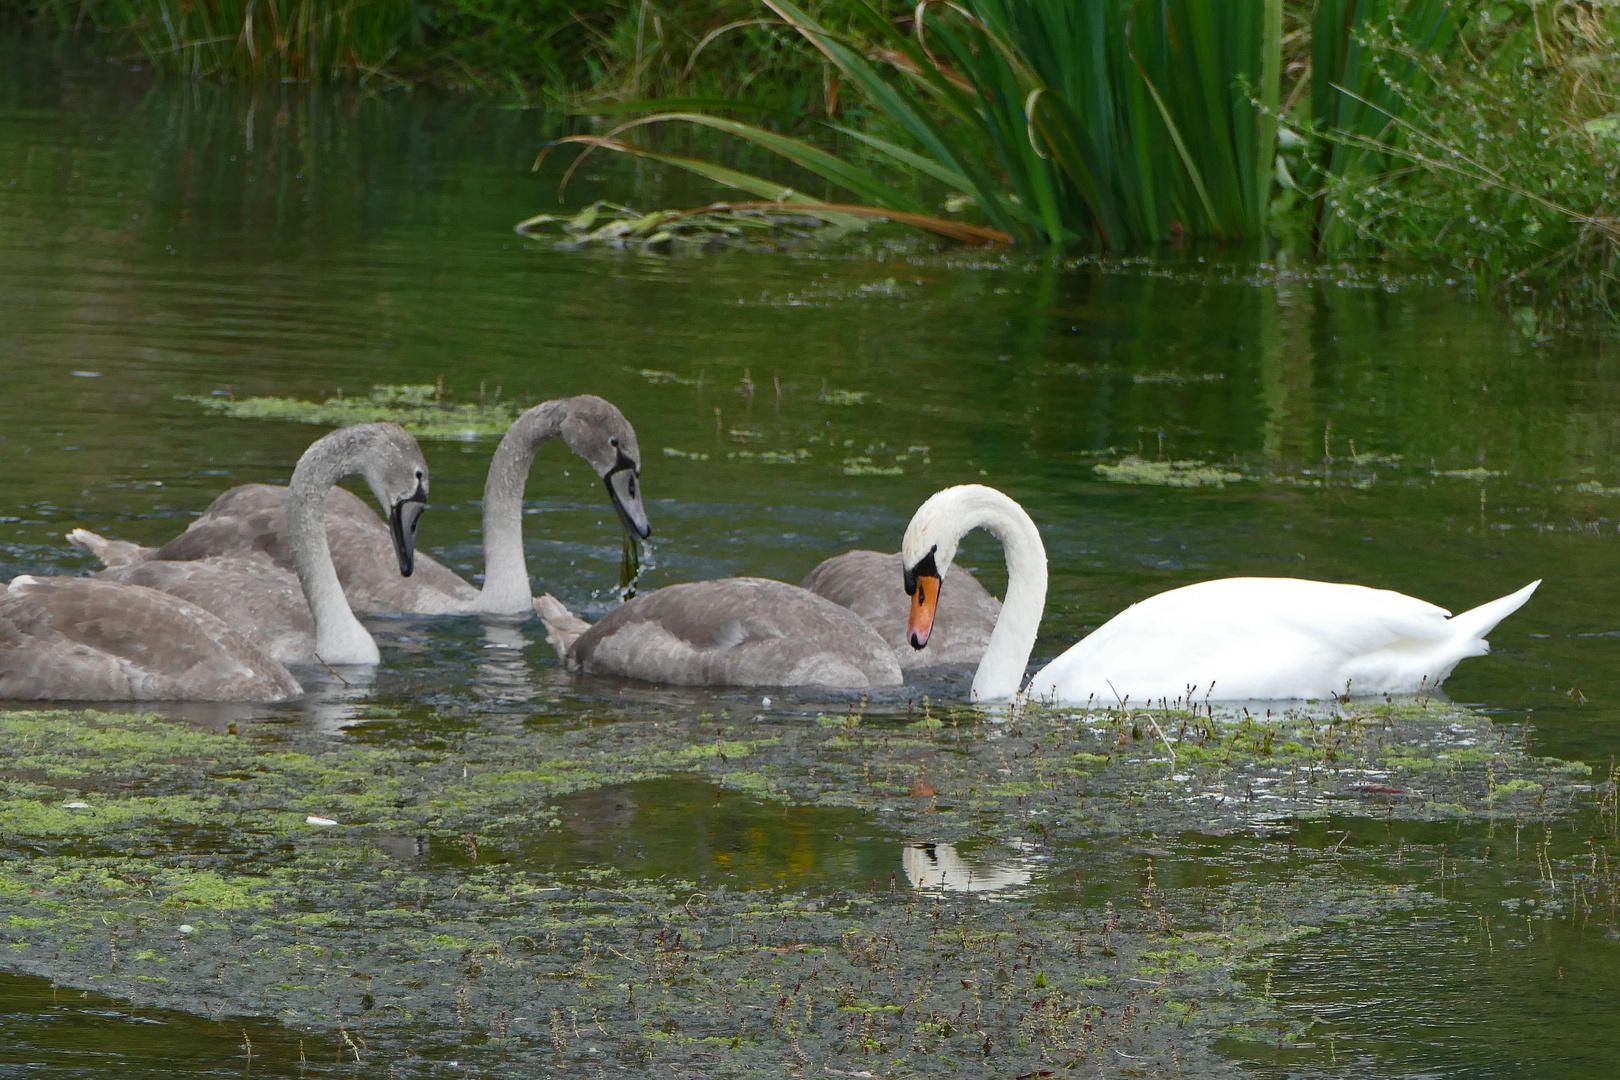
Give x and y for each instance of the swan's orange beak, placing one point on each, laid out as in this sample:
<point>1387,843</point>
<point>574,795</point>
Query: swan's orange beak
<point>923,604</point>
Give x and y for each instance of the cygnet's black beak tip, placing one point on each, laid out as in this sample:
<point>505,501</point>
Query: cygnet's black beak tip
<point>402,522</point>
<point>632,517</point>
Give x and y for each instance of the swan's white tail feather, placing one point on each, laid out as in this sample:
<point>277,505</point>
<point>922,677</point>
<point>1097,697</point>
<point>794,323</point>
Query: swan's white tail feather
<point>563,627</point>
<point>112,553</point>
<point>1475,623</point>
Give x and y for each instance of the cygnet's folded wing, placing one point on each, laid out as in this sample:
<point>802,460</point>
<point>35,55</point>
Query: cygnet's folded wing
<point>88,639</point>
<point>253,517</point>
<point>736,632</point>
<point>251,592</point>
<point>871,585</point>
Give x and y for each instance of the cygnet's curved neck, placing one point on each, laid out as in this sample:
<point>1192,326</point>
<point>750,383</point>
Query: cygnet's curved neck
<point>339,637</point>
<point>1001,671</point>
<point>506,571</point>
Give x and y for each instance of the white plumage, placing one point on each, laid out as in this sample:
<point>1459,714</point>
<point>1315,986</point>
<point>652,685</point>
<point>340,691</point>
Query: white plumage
<point>1266,639</point>
<point>1234,639</point>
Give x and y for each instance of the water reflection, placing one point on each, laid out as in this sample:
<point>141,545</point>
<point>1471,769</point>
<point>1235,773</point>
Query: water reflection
<point>941,868</point>
<point>67,1034</point>
<point>503,667</point>
<point>335,698</point>
<point>692,831</point>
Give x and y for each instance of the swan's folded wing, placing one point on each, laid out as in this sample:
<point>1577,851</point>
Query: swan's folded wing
<point>251,592</point>
<point>247,518</point>
<point>1238,638</point>
<point>252,518</point>
<point>871,584</point>
<point>736,632</point>
<point>90,639</point>
<point>670,630</point>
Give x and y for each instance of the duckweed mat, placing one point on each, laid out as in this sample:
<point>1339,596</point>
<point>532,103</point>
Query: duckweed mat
<point>385,892</point>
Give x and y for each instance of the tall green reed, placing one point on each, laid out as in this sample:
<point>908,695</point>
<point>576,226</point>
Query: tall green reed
<point>1117,121</point>
<point>277,39</point>
<point>1359,91</point>
<point>530,44</point>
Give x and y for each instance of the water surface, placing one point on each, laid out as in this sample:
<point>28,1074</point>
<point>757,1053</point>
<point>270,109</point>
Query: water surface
<point>164,242</point>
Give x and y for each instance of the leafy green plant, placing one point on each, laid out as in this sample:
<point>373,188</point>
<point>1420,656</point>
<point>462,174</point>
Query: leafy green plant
<point>1508,153</point>
<point>776,195</point>
<point>1359,91</point>
<point>719,53</point>
<point>1126,121</point>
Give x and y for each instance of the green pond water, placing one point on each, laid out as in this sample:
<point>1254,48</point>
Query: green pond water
<point>1448,911</point>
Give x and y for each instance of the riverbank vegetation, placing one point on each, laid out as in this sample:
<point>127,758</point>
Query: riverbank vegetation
<point>1483,136</point>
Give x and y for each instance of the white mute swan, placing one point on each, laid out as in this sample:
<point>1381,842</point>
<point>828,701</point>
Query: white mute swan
<point>253,517</point>
<point>102,639</point>
<point>1235,639</point>
<point>869,584</point>
<point>729,632</point>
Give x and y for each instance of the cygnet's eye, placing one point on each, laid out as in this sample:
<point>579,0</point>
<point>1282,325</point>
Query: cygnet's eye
<point>419,474</point>
<point>613,441</point>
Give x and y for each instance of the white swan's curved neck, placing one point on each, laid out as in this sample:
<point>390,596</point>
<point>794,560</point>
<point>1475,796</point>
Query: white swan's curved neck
<point>1001,671</point>
<point>506,572</point>
<point>339,637</point>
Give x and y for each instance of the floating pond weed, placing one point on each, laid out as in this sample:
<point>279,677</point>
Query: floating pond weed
<point>694,967</point>
<point>1134,470</point>
<point>421,410</point>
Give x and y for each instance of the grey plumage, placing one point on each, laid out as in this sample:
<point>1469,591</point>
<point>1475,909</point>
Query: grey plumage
<point>730,632</point>
<point>871,585</point>
<point>192,636</point>
<point>252,518</point>
<point>88,639</point>
<point>250,592</point>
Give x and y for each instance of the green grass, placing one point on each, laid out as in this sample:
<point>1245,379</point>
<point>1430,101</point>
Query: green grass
<point>1360,91</point>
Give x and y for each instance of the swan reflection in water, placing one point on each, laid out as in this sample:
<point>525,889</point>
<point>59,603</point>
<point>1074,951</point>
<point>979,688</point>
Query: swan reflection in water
<point>503,670</point>
<point>938,867</point>
<point>336,698</point>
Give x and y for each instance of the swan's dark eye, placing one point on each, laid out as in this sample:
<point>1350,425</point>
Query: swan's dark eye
<point>613,441</point>
<point>419,474</point>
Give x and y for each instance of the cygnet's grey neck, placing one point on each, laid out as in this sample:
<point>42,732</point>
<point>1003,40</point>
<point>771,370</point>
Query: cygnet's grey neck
<point>506,572</point>
<point>339,637</point>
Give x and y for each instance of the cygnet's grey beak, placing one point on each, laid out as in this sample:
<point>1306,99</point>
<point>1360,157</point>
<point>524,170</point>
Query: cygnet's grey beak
<point>402,522</point>
<point>624,488</point>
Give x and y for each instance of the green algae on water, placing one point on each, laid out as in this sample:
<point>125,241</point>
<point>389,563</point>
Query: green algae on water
<point>421,410</point>
<point>1135,470</point>
<point>422,901</point>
